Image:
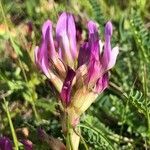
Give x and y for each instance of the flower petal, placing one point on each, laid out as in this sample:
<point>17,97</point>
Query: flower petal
<point>110,55</point>
<point>92,28</point>
<point>66,36</point>
<point>94,68</point>
<point>53,55</point>
<point>67,87</point>
<point>107,46</point>
<point>81,75</point>
<point>45,26</point>
<point>102,83</point>
<point>108,29</point>
<point>81,101</point>
<point>56,81</point>
<point>114,54</point>
<point>43,59</point>
<point>5,143</point>
<point>46,49</point>
<point>84,54</point>
<point>94,65</point>
<point>48,37</point>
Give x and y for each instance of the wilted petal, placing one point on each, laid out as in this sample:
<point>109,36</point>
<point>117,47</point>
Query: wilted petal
<point>81,74</point>
<point>56,81</point>
<point>5,144</point>
<point>67,87</point>
<point>102,83</point>
<point>66,36</point>
<point>81,101</point>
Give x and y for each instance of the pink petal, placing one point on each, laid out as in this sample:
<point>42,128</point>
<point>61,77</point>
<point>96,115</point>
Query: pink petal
<point>94,65</point>
<point>94,68</point>
<point>107,45</point>
<point>45,26</point>
<point>66,36</point>
<point>46,50</point>
<point>108,29</point>
<point>114,54</point>
<point>110,55</point>
<point>93,41</point>
<point>48,37</point>
<point>43,58</point>
<point>92,27</point>
<point>102,83</point>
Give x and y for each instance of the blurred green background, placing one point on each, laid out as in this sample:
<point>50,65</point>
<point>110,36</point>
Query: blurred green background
<point>120,117</point>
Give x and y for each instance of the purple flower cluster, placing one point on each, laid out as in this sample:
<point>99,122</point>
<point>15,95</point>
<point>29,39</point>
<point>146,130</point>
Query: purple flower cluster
<point>7,144</point>
<point>70,67</point>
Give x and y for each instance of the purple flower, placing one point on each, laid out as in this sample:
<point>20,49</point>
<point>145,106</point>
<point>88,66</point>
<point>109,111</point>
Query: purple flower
<point>5,144</point>
<point>78,73</point>
<point>27,144</point>
<point>66,37</point>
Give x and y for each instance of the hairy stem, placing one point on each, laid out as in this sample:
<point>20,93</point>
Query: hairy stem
<point>71,133</point>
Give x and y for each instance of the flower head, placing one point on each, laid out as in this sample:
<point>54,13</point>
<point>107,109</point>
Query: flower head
<point>79,74</point>
<point>5,143</point>
<point>27,144</point>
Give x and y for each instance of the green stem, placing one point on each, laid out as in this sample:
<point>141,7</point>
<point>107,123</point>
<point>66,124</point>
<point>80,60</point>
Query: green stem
<point>84,143</point>
<point>72,137</point>
<point>68,137</point>
<point>11,124</point>
<point>23,71</point>
<point>145,97</point>
<point>35,112</point>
